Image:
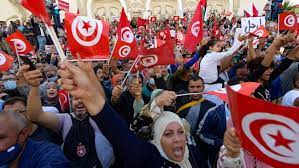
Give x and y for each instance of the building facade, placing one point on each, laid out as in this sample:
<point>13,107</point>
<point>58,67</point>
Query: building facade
<point>11,9</point>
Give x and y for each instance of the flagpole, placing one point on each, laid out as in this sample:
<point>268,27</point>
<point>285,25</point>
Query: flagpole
<point>17,53</point>
<point>189,94</point>
<point>56,41</point>
<point>123,82</point>
<point>112,53</point>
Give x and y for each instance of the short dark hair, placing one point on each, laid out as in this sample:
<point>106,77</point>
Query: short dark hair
<point>196,78</point>
<point>13,100</point>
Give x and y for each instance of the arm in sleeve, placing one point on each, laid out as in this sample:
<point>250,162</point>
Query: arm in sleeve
<point>115,129</point>
<point>284,65</point>
<point>191,62</point>
<point>206,134</point>
<point>218,56</point>
<point>51,156</point>
<point>225,161</point>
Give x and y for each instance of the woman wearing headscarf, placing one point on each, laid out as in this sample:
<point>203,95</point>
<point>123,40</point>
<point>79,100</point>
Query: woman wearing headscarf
<point>169,146</point>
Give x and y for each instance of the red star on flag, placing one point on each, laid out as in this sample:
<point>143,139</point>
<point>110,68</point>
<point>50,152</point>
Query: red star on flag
<point>86,26</point>
<point>148,60</point>
<point>18,45</point>
<point>282,141</point>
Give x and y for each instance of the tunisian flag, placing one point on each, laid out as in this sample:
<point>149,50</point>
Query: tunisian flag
<point>162,55</point>
<point>63,100</point>
<point>37,8</point>
<point>164,34</point>
<point>87,37</point>
<point>126,45</point>
<point>244,88</point>
<point>5,61</point>
<point>287,21</point>
<point>195,30</point>
<point>18,42</point>
<point>255,12</point>
<point>141,23</point>
<point>261,32</point>
<point>268,131</point>
<point>246,13</point>
<point>180,36</point>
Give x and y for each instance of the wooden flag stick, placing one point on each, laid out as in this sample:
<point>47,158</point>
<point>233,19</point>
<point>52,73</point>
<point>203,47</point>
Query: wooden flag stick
<point>135,62</point>
<point>188,94</point>
<point>56,41</point>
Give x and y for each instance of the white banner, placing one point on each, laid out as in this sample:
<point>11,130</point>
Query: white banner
<point>250,24</point>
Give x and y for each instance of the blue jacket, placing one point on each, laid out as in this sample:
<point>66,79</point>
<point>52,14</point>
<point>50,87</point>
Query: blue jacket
<point>42,154</point>
<point>134,152</point>
<point>212,128</point>
<point>211,132</point>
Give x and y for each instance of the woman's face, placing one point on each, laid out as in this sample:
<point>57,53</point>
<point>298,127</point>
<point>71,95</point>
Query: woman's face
<point>216,47</point>
<point>267,73</point>
<point>100,75</point>
<point>173,142</point>
<point>52,91</point>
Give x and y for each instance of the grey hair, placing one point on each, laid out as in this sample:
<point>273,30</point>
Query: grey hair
<point>18,120</point>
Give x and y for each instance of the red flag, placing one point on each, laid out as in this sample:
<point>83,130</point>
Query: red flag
<point>126,45</point>
<point>153,19</point>
<point>244,88</point>
<point>164,34</point>
<point>141,23</point>
<point>195,30</point>
<point>162,55</point>
<point>5,61</point>
<point>228,13</point>
<point>261,32</point>
<point>246,13</point>
<point>255,12</point>
<point>64,5</point>
<point>176,18</point>
<point>158,42</point>
<point>63,100</point>
<point>37,8</point>
<point>268,131</point>
<point>287,21</point>
<point>87,37</point>
<point>180,36</point>
<point>18,42</point>
<point>215,30</point>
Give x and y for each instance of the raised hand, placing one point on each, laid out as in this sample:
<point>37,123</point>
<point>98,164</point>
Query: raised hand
<point>232,143</point>
<point>33,78</point>
<point>81,82</point>
<point>116,92</point>
<point>165,99</point>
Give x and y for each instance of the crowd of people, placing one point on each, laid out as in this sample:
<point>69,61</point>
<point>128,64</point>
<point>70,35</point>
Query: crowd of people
<point>141,123</point>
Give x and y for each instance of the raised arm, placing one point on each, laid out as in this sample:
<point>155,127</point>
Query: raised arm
<point>34,105</point>
<point>251,52</point>
<point>237,44</point>
<point>78,82</point>
<point>275,46</point>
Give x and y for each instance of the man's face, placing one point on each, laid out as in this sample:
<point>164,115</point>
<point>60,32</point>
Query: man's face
<point>242,72</point>
<point>195,87</point>
<point>9,77</point>
<point>8,135</point>
<point>79,108</point>
<point>18,107</point>
<point>51,72</point>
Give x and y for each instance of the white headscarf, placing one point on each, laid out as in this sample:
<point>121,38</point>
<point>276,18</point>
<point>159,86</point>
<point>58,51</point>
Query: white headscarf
<point>290,97</point>
<point>159,127</point>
